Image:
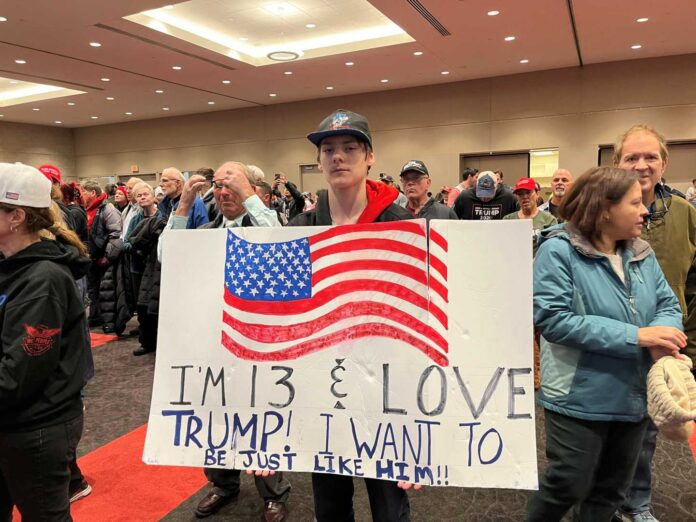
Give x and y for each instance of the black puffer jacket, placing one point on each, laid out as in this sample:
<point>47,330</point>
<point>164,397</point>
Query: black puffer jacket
<point>113,298</point>
<point>43,336</point>
<point>144,241</point>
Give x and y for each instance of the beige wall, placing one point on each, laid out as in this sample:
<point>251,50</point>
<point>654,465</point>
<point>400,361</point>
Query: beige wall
<point>574,109</point>
<point>36,145</point>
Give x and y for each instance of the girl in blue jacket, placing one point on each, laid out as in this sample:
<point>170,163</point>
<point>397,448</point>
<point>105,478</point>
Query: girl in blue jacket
<point>605,312</point>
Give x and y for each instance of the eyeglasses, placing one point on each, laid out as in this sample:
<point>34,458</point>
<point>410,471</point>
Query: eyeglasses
<point>218,183</point>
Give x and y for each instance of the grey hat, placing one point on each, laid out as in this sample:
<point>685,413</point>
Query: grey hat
<point>342,122</point>
<point>486,185</point>
<point>416,166</point>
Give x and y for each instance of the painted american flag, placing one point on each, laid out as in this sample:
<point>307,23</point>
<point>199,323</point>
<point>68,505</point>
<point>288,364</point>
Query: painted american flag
<point>285,300</point>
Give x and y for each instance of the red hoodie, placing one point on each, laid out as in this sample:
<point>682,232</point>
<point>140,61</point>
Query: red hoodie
<point>379,197</point>
<point>92,209</point>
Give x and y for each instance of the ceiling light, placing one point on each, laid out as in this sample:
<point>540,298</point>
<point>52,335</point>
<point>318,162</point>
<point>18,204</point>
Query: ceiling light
<point>225,82</point>
<point>281,8</point>
<point>94,117</point>
<point>35,109</point>
<point>129,114</point>
<point>71,103</point>
<point>642,20</point>
<point>110,98</point>
<point>283,56</point>
<point>176,67</point>
<point>350,64</point>
<point>165,108</point>
<point>509,38</point>
<point>57,121</point>
<point>329,88</point>
<point>636,46</point>
<point>243,39</point>
<point>273,95</point>
<point>159,91</point>
<point>384,81</point>
<point>169,6</point>
<point>493,13</point>
<point>3,19</point>
<point>106,79</point>
<point>418,53</point>
<point>524,61</point>
<point>94,44</point>
<point>445,73</point>
<point>288,73</point>
<point>20,62</point>
<point>310,26</point>
<point>211,103</point>
<point>2,115</point>
<point>13,81</point>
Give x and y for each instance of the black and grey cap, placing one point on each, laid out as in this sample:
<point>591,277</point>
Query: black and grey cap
<point>342,122</point>
<point>415,165</point>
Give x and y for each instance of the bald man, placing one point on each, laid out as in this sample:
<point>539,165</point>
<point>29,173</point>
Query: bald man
<point>172,184</point>
<point>560,183</point>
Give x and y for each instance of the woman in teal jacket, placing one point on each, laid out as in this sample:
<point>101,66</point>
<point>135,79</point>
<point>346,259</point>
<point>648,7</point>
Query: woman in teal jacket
<point>605,311</point>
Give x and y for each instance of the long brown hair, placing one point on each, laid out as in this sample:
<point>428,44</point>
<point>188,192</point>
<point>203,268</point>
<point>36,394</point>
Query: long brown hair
<point>592,194</point>
<point>48,220</point>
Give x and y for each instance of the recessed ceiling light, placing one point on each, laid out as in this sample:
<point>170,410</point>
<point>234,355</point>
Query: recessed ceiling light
<point>642,20</point>
<point>94,44</point>
<point>106,79</point>
<point>418,53</point>
<point>273,95</point>
<point>288,73</point>
<point>524,61</point>
<point>509,38</point>
<point>211,103</point>
<point>13,81</point>
<point>225,82</point>
<point>129,114</point>
<point>280,8</point>
<point>636,46</point>
<point>243,39</point>
<point>493,13</point>
<point>36,109</point>
<point>3,19</point>
<point>329,88</point>
<point>159,91</point>
<point>2,115</point>
<point>445,73</point>
<point>57,121</point>
<point>20,62</point>
<point>71,103</point>
<point>176,67</point>
<point>94,117</point>
<point>283,56</point>
<point>110,98</point>
<point>350,64</point>
<point>169,6</point>
<point>310,26</point>
<point>384,81</point>
<point>165,108</point>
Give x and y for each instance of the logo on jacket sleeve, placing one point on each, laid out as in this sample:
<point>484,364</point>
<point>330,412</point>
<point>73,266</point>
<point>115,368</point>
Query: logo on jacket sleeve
<point>39,339</point>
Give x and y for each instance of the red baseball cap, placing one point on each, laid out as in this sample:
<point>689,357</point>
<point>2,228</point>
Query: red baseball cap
<point>525,184</point>
<point>51,172</point>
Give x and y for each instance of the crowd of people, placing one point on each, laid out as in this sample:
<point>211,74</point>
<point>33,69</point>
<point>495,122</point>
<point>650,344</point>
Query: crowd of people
<point>613,292</point>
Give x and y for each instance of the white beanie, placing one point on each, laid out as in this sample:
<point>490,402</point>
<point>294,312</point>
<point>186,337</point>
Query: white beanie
<point>24,186</point>
<point>672,397</point>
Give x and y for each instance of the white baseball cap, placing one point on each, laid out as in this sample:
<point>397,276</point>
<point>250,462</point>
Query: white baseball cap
<point>24,186</point>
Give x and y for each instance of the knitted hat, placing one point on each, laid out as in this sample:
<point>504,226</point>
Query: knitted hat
<point>672,397</point>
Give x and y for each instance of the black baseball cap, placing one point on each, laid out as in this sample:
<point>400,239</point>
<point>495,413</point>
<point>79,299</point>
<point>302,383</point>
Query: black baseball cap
<point>342,122</point>
<point>416,166</point>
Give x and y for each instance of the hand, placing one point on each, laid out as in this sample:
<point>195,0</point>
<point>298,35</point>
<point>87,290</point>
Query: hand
<point>260,472</point>
<point>408,485</point>
<point>237,182</point>
<point>666,337</point>
<point>188,194</point>
<point>102,261</point>
<point>282,179</point>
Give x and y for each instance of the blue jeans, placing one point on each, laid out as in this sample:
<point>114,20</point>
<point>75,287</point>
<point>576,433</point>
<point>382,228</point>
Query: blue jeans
<point>639,496</point>
<point>35,474</point>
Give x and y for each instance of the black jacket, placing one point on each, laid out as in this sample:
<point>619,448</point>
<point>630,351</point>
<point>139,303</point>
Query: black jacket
<point>43,336</point>
<point>434,210</point>
<point>144,239</point>
<point>468,206</point>
<point>79,218</point>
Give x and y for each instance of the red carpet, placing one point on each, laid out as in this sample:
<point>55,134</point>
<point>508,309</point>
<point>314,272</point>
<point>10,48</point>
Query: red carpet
<point>124,489</point>
<point>99,339</point>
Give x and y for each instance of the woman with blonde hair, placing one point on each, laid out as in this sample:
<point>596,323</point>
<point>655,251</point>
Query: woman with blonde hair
<point>43,336</point>
<point>604,310</point>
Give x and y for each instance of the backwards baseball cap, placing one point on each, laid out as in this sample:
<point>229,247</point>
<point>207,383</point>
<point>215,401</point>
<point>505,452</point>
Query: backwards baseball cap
<point>342,122</point>
<point>51,172</point>
<point>416,166</point>
<point>525,184</point>
<point>486,185</point>
<point>22,185</point>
